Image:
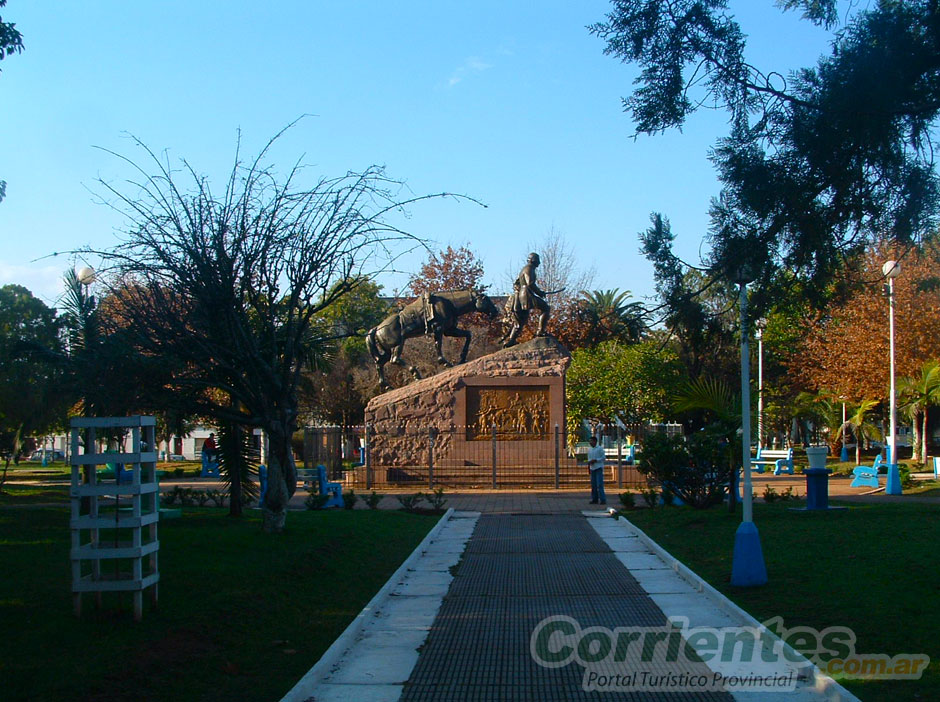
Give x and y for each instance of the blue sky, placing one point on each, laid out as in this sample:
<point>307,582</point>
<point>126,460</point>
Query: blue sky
<point>512,103</point>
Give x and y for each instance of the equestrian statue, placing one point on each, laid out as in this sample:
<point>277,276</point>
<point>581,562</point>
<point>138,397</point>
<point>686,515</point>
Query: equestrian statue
<point>434,314</point>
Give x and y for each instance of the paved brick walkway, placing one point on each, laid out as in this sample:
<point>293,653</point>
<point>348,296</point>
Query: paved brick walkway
<point>516,571</point>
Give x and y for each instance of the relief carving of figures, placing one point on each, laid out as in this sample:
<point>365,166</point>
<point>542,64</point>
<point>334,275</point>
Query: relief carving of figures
<point>516,413</point>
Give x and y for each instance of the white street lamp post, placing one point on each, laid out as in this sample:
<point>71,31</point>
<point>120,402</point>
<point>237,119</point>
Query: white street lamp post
<point>891,270</point>
<point>86,277</point>
<point>747,563</point>
<point>761,324</point>
<point>844,454</point>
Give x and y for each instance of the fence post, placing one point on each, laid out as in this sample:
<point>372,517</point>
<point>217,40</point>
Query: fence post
<point>557,458</point>
<point>620,457</point>
<point>430,458</point>
<point>493,429</point>
<point>367,457</point>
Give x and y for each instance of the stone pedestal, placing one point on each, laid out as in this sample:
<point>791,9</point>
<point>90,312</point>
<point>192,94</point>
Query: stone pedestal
<point>508,402</point>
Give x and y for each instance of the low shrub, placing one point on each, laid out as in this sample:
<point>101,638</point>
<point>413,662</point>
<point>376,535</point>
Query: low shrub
<point>373,500</point>
<point>315,500</point>
<point>788,494</point>
<point>650,497</point>
<point>627,499</point>
<point>409,503</point>
<point>907,477</point>
<point>436,499</point>
<point>696,470</point>
<point>178,495</point>
<point>350,498</point>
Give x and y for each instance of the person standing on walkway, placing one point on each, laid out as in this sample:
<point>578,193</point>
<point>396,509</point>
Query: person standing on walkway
<point>596,459</point>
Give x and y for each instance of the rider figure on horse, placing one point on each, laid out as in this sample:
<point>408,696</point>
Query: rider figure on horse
<point>526,296</point>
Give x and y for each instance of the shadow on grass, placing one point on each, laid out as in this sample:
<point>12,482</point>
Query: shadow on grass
<point>242,615</point>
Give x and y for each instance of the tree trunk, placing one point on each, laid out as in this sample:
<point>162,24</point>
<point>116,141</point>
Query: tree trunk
<point>3,479</point>
<point>923,436</point>
<point>915,438</point>
<point>235,477</point>
<point>282,482</point>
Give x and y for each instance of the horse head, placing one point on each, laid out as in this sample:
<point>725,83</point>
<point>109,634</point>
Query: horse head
<point>483,303</point>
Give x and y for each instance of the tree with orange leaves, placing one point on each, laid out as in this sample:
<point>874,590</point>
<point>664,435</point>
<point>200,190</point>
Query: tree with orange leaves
<point>845,348</point>
<point>451,269</point>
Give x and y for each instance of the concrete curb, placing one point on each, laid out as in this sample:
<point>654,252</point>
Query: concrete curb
<point>823,684</point>
<point>332,655</point>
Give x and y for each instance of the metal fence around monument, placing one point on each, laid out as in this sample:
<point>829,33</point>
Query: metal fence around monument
<point>458,458</point>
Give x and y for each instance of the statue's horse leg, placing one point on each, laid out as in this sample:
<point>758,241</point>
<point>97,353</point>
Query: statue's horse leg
<point>457,333</point>
<point>380,357</point>
<point>438,338</point>
<point>397,359</point>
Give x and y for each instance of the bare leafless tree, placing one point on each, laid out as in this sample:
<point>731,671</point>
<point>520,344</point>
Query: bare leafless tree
<point>229,283</point>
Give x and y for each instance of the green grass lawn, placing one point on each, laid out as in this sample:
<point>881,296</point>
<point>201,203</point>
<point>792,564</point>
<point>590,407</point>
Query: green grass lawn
<point>927,488</point>
<point>33,494</point>
<point>871,568</point>
<point>242,615</point>
<point>57,470</point>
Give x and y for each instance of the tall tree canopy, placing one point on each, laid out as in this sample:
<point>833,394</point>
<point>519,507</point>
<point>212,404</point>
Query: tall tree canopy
<point>614,381</point>
<point>699,313</point>
<point>818,163</point>
<point>31,389</point>
<point>11,41</point>
<point>229,283</point>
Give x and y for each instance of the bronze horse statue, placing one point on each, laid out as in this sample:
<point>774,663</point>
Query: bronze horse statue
<point>431,314</point>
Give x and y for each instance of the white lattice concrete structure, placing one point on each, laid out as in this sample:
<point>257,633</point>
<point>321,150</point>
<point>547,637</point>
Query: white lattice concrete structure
<point>114,541</point>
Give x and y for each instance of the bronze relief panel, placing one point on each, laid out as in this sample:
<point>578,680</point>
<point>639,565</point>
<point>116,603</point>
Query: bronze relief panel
<point>518,413</point>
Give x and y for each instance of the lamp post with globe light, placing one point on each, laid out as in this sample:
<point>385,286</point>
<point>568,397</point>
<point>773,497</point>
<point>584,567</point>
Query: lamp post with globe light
<point>761,325</point>
<point>85,275</point>
<point>747,563</point>
<point>891,270</point>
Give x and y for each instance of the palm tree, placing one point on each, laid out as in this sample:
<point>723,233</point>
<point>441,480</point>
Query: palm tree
<point>822,408</point>
<point>610,316</point>
<point>917,394</point>
<point>724,404</point>
<point>861,426</point>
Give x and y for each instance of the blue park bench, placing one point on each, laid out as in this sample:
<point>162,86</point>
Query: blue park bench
<point>334,490</point>
<point>780,459</point>
<point>627,454</point>
<point>867,476</point>
<point>317,477</point>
